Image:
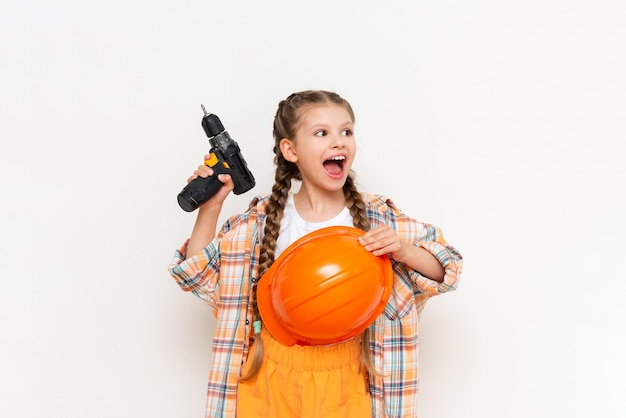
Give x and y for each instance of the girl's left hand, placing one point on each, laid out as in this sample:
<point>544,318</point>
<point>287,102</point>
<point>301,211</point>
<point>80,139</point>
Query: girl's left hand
<point>383,240</point>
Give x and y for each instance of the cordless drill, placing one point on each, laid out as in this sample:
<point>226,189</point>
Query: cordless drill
<point>224,158</point>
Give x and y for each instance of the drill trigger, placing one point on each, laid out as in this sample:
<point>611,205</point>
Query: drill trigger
<point>212,161</point>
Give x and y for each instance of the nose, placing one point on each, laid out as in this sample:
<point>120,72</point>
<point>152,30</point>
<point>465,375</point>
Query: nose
<point>338,141</point>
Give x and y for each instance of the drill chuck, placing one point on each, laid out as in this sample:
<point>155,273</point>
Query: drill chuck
<point>211,124</point>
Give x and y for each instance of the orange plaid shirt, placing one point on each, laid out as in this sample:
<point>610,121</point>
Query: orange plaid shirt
<point>222,276</point>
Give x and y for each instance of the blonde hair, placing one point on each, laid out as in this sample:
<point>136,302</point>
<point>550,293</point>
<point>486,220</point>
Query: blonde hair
<point>285,126</point>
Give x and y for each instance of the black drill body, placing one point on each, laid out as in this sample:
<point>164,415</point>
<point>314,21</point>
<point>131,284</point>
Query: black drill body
<point>225,158</point>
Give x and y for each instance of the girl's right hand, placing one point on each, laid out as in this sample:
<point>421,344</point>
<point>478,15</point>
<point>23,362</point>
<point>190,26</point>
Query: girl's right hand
<point>206,221</point>
<point>206,171</point>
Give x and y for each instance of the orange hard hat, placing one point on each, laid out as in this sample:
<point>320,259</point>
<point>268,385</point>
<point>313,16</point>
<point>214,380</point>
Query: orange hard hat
<point>324,288</point>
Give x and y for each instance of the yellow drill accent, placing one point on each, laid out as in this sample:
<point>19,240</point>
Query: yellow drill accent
<point>212,160</point>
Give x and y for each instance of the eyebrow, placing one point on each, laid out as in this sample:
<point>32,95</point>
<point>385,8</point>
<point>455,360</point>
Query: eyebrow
<point>323,125</point>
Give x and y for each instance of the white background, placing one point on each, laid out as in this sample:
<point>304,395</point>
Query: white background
<point>500,121</point>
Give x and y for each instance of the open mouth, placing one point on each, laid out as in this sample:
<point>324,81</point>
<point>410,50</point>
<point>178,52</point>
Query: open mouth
<point>334,166</point>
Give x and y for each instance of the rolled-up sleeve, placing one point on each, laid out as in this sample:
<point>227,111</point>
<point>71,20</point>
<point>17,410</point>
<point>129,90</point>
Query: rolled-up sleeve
<point>195,272</point>
<point>449,258</point>
<point>199,274</point>
<point>452,262</point>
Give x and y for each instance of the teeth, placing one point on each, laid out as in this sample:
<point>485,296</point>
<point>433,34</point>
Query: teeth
<point>338,158</point>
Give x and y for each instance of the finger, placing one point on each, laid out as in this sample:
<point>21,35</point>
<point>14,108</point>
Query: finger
<point>382,251</point>
<point>368,236</point>
<point>227,180</point>
<point>383,246</point>
<point>204,171</point>
<point>376,234</point>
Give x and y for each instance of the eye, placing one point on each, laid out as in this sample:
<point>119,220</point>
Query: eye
<point>321,133</point>
<point>347,132</point>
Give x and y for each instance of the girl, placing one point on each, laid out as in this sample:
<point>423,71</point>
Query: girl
<point>252,374</point>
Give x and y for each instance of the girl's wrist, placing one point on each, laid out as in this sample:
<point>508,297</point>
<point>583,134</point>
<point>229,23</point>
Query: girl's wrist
<point>210,207</point>
<point>403,253</point>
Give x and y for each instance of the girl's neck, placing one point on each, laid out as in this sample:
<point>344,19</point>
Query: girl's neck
<point>319,205</point>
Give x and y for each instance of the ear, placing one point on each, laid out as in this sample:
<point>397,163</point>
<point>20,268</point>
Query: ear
<point>288,150</point>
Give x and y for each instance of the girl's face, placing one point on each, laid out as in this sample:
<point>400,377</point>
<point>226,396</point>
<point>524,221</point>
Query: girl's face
<point>324,146</point>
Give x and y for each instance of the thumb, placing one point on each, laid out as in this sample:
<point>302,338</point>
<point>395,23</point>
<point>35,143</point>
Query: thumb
<point>227,180</point>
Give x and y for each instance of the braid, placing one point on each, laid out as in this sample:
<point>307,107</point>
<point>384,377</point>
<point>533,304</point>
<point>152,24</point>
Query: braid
<point>274,213</point>
<point>355,202</point>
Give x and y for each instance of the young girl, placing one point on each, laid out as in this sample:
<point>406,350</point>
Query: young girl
<point>252,374</point>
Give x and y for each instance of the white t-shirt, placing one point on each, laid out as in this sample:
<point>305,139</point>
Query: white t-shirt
<point>292,226</point>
